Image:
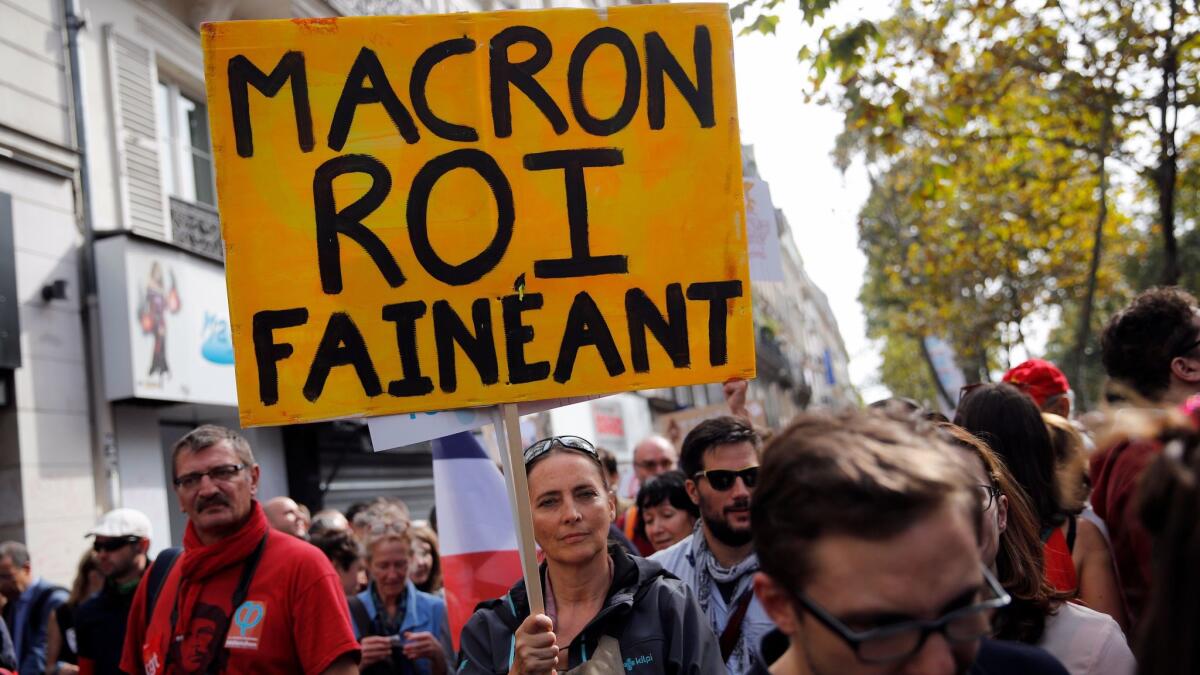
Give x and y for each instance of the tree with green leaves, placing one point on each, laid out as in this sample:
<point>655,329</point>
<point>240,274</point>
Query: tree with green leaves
<point>1014,86</point>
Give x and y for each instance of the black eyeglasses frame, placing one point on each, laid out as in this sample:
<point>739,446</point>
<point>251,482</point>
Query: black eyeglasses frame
<point>195,477</point>
<point>855,639</point>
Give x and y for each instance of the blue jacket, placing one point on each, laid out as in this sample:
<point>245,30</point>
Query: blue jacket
<point>423,613</point>
<point>28,626</point>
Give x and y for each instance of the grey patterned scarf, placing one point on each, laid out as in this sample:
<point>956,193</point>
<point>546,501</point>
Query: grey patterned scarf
<point>708,570</point>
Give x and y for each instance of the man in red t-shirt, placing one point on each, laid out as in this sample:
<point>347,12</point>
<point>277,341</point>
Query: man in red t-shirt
<point>1152,347</point>
<point>242,597</point>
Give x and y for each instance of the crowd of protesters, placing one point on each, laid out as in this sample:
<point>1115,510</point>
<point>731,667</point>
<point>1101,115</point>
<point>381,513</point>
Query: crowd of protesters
<point>1010,539</point>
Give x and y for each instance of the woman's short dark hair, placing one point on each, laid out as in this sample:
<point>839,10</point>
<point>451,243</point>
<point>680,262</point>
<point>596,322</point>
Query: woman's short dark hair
<point>708,435</point>
<point>1010,423</point>
<point>341,548</point>
<point>1140,341</point>
<point>669,487</point>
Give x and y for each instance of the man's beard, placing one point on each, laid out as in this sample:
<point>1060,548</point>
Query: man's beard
<point>721,529</point>
<point>123,569</point>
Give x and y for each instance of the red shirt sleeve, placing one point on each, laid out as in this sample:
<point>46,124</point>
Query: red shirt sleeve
<point>321,627</point>
<point>1116,476</point>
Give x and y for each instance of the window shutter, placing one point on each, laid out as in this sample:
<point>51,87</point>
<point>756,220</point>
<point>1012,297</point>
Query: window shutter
<point>132,75</point>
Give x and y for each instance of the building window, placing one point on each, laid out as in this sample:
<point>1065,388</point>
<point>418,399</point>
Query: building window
<point>185,152</point>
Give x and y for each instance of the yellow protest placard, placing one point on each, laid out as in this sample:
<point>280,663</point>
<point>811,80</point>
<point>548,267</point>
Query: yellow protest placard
<point>423,213</point>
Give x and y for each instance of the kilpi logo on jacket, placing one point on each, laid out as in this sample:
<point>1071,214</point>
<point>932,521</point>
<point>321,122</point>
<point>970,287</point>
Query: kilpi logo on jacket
<point>630,663</point>
<point>248,618</point>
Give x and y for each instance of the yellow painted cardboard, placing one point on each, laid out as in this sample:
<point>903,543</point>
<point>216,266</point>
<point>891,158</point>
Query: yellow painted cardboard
<point>672,206</point>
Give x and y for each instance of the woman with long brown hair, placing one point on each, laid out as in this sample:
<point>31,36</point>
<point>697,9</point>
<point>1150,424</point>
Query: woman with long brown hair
<point>425,564</point>
<point>1085,641</point>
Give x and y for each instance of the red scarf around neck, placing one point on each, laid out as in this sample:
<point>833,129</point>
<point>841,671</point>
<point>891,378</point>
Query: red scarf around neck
<point>200,561</point>
<point>200,564</point>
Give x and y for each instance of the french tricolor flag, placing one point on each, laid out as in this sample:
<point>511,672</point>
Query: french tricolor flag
<point>475,530</point>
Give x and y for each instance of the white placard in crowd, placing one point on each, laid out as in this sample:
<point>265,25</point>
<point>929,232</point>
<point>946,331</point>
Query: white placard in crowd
<point>396,431</point>
<point>762,232</point>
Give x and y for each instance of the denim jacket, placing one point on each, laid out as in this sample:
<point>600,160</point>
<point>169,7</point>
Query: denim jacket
<point>423,613</point>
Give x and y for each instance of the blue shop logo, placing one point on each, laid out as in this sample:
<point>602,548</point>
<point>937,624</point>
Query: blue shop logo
<point>630,663</point>
<point>217,344</point>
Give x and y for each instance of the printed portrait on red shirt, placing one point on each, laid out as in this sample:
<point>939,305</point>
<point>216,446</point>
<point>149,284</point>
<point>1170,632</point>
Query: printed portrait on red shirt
<point>202,642</point>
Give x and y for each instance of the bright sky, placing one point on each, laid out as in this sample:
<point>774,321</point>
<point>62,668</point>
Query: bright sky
<point>792,141</point>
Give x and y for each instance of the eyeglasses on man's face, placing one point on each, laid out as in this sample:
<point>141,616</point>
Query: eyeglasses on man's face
<point>900,640</point>
<point>723,479</point>
<point>547,444</point>
<point>219,474</point>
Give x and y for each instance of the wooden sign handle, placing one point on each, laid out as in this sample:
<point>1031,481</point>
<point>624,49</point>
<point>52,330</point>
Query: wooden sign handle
<point>511,455</point>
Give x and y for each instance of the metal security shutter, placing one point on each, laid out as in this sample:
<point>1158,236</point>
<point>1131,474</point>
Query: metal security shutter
<point>132,75</point>
<point>331,464</point>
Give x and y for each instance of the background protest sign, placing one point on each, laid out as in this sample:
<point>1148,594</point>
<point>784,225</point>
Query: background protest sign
<point>438,212</point>
<point>396,431</point>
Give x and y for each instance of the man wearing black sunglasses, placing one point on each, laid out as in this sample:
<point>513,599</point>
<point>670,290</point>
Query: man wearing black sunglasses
<point>121,541</point>
<point>720,457</point>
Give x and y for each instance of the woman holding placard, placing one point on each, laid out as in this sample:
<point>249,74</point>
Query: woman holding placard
<point>606,611</point>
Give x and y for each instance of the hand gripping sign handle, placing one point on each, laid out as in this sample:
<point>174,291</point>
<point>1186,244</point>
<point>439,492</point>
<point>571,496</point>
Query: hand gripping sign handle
<point>508,435</point>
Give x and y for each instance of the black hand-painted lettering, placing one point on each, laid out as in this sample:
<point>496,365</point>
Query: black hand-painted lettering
<point>268,353</point>
<point>420,77</point>
<point>517,335</point>
<point>504,73</point>
<point>242,74</point>
<point>586,326</point>
<point>660,61</point>
<point>671,332</point>
<point>341,345</point>
<point>418,216</point>
<point>367,83</point>
<point>480,348</point>
<point>581,263</point>
<point>331,222</point>
<point>718,294</point>
<point>633,81</point>
<point>405,315</point>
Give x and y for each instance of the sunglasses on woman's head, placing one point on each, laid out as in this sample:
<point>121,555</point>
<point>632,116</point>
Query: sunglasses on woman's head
<point>547,444</point>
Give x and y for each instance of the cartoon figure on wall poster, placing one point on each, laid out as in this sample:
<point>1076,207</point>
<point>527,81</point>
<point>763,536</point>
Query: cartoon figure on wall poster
<point>157,301</point>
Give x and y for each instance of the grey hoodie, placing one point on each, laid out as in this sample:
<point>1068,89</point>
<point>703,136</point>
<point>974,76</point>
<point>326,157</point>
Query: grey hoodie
<point>650,623</point>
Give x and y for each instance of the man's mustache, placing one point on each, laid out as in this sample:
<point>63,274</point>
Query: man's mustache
<point>215,500</point>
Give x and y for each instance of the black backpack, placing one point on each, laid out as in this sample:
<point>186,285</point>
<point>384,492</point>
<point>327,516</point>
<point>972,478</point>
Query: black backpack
<point>159,569</point>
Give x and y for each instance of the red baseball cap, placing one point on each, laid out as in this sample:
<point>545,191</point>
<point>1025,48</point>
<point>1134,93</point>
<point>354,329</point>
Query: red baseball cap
<point>1040,379</point>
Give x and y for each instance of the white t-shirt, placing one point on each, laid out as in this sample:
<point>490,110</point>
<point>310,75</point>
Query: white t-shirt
<point>1087,642</point>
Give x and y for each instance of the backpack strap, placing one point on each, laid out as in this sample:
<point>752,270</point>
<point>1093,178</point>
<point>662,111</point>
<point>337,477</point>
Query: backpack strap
<point>733,629</point>
<point>358,613</point>
<point>159,570</point>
